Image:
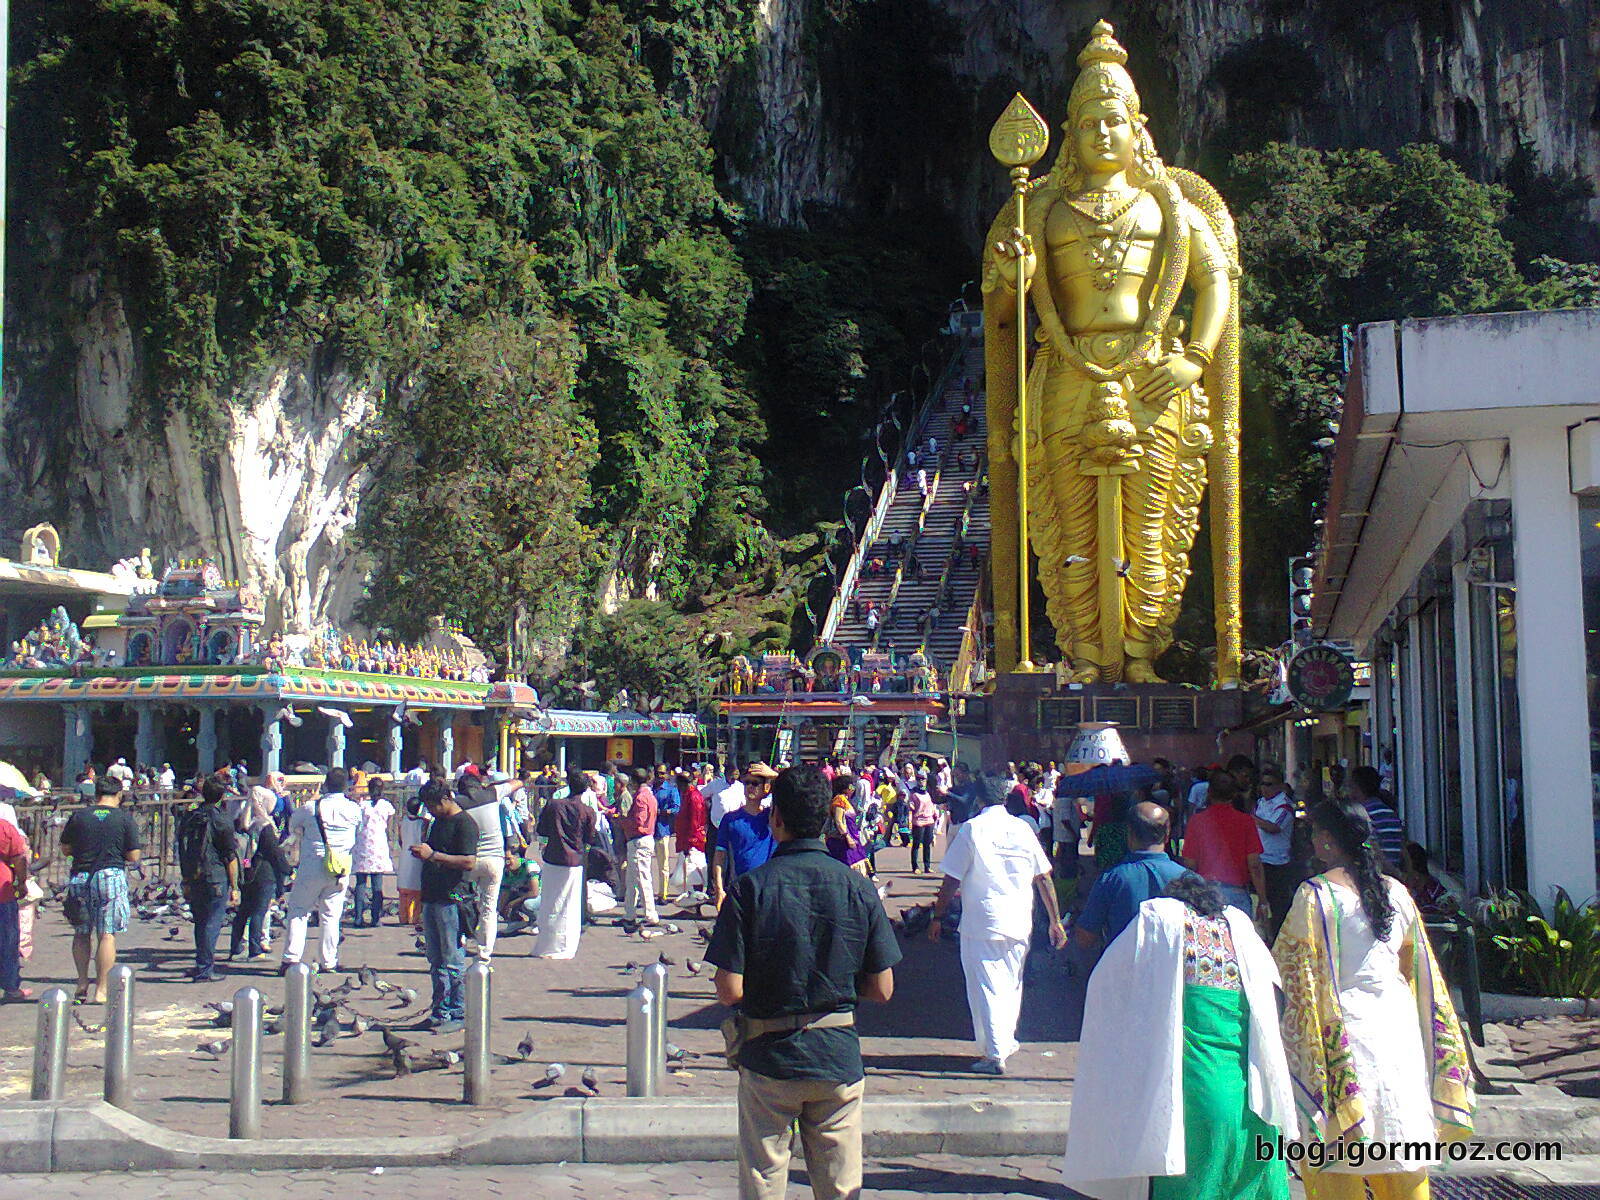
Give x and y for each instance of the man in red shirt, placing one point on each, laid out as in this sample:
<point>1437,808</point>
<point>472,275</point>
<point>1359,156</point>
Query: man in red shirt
<point>639,834</point>
<point>690,828</point>
<point>13,879</point>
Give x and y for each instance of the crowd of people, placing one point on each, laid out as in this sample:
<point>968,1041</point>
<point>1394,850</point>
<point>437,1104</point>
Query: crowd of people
<point>1257,968</point>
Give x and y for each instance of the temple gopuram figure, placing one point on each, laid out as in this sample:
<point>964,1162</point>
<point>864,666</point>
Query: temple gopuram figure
<point>1128,412</point>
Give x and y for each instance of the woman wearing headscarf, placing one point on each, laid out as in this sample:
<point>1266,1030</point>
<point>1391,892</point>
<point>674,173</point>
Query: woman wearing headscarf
<point>844,840</point>
<point>261,862</point>
<point>1373,1041</point>
<point>1181,1071</point>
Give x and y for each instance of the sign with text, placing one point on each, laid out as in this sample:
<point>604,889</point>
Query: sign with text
<point>1321,678</point>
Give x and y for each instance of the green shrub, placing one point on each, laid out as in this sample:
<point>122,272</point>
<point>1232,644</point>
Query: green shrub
<point>1524,952</point>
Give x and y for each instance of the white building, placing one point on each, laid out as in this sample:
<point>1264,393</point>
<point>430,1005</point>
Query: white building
<point>1462,556</point>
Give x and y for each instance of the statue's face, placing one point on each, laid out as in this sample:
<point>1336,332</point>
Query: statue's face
<point>1104,136</point>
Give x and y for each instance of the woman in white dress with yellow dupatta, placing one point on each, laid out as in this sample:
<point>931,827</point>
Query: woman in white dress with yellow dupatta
<point>1372,1038</point>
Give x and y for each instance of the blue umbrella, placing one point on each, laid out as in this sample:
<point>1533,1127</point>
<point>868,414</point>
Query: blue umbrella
<point>1104,781</point>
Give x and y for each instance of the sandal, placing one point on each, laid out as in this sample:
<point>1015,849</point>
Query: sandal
<point>18,995</point>
<point>81,995</point>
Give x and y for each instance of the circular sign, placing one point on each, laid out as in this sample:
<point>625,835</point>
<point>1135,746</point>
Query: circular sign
<point>1321,678</point>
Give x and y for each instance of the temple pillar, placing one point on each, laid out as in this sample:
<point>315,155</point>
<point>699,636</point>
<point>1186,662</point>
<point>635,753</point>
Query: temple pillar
<point>271,740</point>
<point>396,739</point>
<point>659,745</point>
<point>492,743</point>
<point>335,743</point>
<point>77,743</point>
<point>205,738</point>
<point>858,739</point>
<point>561,755</point>
<point>447,741</point>
<point>145,750</point>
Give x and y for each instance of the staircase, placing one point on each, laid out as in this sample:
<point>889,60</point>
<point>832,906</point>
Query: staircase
<point>929,530</point>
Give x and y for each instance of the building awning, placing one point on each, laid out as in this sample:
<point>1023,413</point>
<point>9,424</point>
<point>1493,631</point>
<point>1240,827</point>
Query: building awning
<point>243,684</point>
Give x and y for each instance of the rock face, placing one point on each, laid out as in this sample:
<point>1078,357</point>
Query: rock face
<point>272,497</point>
<point>1480,76</point>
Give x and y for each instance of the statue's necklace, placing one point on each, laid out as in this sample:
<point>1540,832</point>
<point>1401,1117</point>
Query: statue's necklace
<point>1106,210</point>
<point>1107,240</point>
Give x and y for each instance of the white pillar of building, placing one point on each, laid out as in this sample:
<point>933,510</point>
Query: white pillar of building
<point>1552,690</point>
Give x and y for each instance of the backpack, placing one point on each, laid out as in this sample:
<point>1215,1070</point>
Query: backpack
<point>194,833</point>
<point>247,847</point>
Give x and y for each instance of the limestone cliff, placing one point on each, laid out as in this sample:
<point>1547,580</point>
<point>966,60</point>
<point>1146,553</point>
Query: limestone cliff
<point>272,495</point>
<point>1482,77</point>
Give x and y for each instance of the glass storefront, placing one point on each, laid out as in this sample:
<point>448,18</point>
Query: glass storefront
<point>1589,532</point>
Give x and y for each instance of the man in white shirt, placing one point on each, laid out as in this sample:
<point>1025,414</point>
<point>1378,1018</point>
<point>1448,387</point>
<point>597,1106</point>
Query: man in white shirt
<point>315,887</point>
<point>997,864</point>
<point>122,773</point>
<point>166,778</point>
<point>481,802</point>
<point>1274,815</point>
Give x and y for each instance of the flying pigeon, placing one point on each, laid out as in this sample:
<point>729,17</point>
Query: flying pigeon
<point>336,715</point>
<point>288,714</point>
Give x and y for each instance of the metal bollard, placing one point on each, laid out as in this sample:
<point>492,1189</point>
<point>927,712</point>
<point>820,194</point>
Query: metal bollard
<point>655,980</point>
<point>475,1045</point>
<point>50,1046</point>
<point>297,1034</point>
<point>119,1037</point>
<point>244,1096</point>
<point>642,1078</point>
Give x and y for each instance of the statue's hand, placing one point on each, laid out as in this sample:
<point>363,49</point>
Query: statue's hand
<point>1172,374</point>
<point>1018,248</point>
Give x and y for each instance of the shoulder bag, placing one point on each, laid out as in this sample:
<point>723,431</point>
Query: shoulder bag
<point>337,862</point>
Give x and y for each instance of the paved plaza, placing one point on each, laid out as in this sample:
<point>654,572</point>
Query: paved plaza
<point>917,1046</point>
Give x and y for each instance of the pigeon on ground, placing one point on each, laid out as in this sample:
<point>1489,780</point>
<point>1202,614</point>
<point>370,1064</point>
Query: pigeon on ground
<point>382,986</point>
<point>669,927</point>
<point>692,966</point>
<point>554,1073</point>
<point>214,1049</point>
<point>328,1029</point>
<point>404,997</point>
<point>525,1046</point>
<point>366,977</point>
<point>393,1042</point>
<point>665,961</point>
<point>676,1053</point>
<point>402,1064</point>
<point>591,1081</point>
<point>222,1008</point>
<point>173,934</point>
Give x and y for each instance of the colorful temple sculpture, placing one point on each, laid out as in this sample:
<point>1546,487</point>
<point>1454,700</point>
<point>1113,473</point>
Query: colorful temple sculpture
<point>180,670</point>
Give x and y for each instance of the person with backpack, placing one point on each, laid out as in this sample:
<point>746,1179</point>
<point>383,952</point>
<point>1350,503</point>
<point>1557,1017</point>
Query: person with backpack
<point>325,831</point>
<point>208,856</point>
<point>261,862</point>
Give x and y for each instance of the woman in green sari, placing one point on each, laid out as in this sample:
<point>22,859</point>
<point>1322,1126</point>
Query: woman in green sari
<point>1181,1070</point>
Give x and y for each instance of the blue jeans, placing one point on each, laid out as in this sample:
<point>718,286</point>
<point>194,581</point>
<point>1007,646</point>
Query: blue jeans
<point>441,934</point>
<point>209,904</point>
<point>251,916</point>
<point>10,948</point>
<point>369,898</point>
<point>1238,897</point>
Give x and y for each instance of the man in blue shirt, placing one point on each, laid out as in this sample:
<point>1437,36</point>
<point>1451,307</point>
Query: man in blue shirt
<point>668,801</point>
<point>744,839</point>
<point>1143,874</point>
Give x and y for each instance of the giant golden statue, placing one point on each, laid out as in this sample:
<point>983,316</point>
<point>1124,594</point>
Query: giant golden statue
<point>1125,414</point>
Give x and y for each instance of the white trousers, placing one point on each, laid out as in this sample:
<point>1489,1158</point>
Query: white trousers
<point>315,889</point>
<point>993,968</point>
<point>560,911</point>
<point>487,875</point>
<point>640,876</point>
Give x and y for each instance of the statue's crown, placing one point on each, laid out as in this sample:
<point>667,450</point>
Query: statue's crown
<point>1104,74</point>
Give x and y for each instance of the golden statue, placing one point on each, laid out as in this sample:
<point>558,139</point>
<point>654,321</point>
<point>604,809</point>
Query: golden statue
<point>1124,417</point>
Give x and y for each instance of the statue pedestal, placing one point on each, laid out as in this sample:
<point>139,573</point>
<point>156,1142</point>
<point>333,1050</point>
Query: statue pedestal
<point>1032,718</point>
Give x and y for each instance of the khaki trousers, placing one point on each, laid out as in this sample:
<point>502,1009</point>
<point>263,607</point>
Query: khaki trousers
<point>1330,1185</point>
<point>830,1133</point>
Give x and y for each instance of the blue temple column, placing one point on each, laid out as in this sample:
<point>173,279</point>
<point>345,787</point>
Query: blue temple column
<point>77,743</point>
<point>146,747</point>
<point>205,738</point>
<point>271,740</point>
<point>447,740</point>
<point>396,739</point>
<point>335,742</point>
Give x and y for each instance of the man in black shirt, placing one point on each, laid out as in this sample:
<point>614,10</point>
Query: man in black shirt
<point>450,851</point>
<point>797,942</point>
<point>208,855</point>
<point>100,840</point>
